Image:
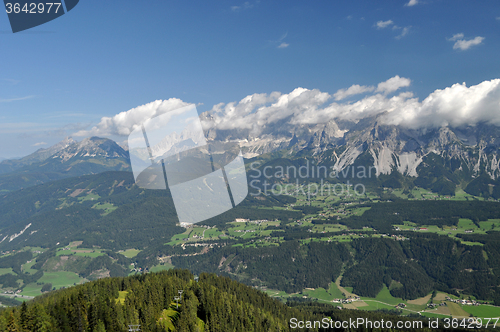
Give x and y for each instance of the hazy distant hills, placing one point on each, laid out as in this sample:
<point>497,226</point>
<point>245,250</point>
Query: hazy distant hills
<point>10,165</point>
<point>105,209</point>
<point>66,159</point>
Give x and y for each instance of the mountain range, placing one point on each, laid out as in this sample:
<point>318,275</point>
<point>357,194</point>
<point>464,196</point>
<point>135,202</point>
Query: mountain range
<point>66,159</point>
<point>389,146</point>
<point>440,159</point>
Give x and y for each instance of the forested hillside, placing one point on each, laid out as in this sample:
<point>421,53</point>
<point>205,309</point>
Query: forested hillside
<point>209,304</point>
<point>410,268</point>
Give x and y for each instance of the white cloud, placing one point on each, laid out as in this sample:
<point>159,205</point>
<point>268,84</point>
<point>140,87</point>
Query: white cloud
<point>352,90</point>
<point>15,99</point>
<point>11,81</point>
<point>393,84</point>
<point>412,3</point>
<point>280,43</point>
<point>383,24</point>
<point>124,122</point>
<point>403,33</point>
<point>454,106</point>
<point>255,111</point>
<point>303,106</point>
<point>246,5</point>
<point>464,44</point>
<point>457,36</point>
<point>39,144</point>
<point>366,107</point>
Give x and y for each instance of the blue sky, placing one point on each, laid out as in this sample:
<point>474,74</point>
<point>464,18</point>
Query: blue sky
<point>107,57</point>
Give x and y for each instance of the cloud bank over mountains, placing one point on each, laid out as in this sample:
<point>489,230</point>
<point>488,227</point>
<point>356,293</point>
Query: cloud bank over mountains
<point>453,106</point>
<point>124,123</point>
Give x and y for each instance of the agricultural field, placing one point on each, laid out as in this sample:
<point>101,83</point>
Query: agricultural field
<point>482,311</point>
<point>57,279</point>
<point>106,207</point>
<point>464,226</point>
<point>194,234</point>
<point>89,197</point>
<point>129,253</point>
<point>72,249</point>
<point>276,293</point>
<point>161,267</point>
<point>319,228</point>
<point>320,294</point>
<point>434,315</point>
<point>456,310</point>
<point>32,290</point>
<point>335,291</point>
<point>425,194</point>
<point>372,305</point>
<point>246,230</point>
<point>61,279</point>
<point>384,300</point>
<point>27,267</point>
<point>242,230</point>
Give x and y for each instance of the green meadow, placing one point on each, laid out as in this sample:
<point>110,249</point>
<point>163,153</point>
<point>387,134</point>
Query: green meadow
<point>130,253</point>
<point>482,311</point>
<point>61,279</point>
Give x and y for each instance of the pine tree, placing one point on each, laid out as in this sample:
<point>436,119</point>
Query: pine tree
<point>100,327</point>
<point>12,324</point>
<point>39,320</point>
<point>23,317</point>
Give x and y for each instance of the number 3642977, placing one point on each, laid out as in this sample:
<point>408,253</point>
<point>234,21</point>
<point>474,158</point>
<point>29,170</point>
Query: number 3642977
<point>33,8</point>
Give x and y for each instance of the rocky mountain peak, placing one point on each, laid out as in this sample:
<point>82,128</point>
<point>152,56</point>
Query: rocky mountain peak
<point>92,147</point>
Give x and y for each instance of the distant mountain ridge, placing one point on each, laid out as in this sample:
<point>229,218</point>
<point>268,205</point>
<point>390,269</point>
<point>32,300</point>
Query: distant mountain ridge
<point>93,147</point>
<point>9,165</point>
<point>66,159</point>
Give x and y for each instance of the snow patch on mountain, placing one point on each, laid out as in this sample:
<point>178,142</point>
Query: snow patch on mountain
<point>92,147</point>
